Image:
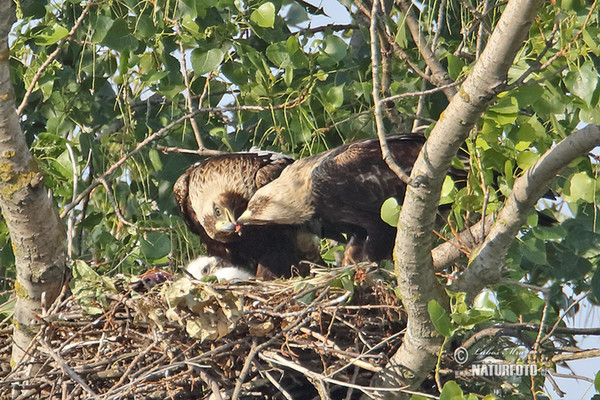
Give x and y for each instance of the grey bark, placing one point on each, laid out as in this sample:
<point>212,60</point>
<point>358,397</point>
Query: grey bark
<point>36,232</point>
<point>417,283</point>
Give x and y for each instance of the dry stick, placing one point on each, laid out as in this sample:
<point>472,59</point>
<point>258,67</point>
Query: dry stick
<point>278,359</point>
<point>70,221</point>
<point>385,151</point>
<point>188,96</point>
<point>256,349</point>
<point>555,326</point>
<point>577,356</point>
<point>277,385</point>
<point>118,212</point>
<point>211,382</point>
<point>51,58</point>
<point>65,367</point>
<point>438,74</point>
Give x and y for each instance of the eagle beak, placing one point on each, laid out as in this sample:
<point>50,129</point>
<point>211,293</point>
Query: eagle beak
<point>227,224</point>
<point>244,219</point>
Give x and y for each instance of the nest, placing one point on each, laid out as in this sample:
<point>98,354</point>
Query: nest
<point>318,337</point>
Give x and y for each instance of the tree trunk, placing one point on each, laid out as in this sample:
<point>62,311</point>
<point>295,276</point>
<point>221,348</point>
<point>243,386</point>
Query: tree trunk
<point>37,234</point>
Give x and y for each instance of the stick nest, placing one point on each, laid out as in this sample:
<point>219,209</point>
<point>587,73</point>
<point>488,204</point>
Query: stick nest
<point>318,337</point>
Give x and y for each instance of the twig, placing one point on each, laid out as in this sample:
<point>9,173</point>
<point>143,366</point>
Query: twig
<point>203,152</point>
<point>70,232</point>
<point>277,385</point>
<point>65,367</point>
<point>51,58</point>
<point>188,96</point>
<point>275,358</point>
<point>118,212</point>
<point>385,151</point>
<point>573,376</point>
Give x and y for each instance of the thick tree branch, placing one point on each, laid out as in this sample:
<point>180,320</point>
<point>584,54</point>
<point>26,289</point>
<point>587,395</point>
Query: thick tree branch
<point>414,264</point>
<point>37,235</point>
<point>486,266</point>
<point>462,244</point>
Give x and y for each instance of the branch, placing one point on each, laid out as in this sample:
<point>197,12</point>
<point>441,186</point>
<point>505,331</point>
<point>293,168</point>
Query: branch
<point>486,266</point>
<point>417,283</point>
<point>118,212</point>
<point>51,58</point>
<point>385,151</point>
<point>454,249</point>
<point>577,355</point>
<point>36,233</point>
<point>438,74</point>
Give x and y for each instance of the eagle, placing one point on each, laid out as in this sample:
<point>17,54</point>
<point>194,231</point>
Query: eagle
<point>205,266</point>
<point>213,193</point>
<point>344,188</point>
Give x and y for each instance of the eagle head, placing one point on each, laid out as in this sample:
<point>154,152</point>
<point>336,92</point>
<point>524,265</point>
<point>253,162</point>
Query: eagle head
<point>287,200</point>
<point>220,214</point>
<point>223,270</point>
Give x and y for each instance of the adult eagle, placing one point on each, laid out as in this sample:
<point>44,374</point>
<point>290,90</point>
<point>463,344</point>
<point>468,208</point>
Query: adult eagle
<point>213,193</point>
<point>345,188</point>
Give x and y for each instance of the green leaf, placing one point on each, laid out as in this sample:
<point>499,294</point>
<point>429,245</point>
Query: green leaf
<point>448,190</point>
<point>440,318</point>
<point>51,35</point>
<point>471,317</point>
<point>526,159</point>
<point>119,36</point>
<point>583,81</point>
<point>451,391</point>
<point>335,96</point>
<point>155,246</point>
<point>335,48</point>
<point>264,16</point>
<point>278,54</point>
<point>597,382</point>
<point>390,210</point>
<point>155,159</point>
<point>296,14</point>
<point>206,61</point>
<point>582,187</point>
<point>590,42</point>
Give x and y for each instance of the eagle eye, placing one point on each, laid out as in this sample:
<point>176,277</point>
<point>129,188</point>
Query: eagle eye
<point>217,211</point>
<point>205,271</point>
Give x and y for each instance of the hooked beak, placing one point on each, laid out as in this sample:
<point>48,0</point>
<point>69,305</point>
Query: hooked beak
<point>245,218</point>
<point>227,224</point>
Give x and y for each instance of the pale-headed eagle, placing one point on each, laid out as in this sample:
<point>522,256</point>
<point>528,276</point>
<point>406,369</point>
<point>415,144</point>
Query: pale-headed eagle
<point>223,270</point>
<point>213,193</point>
<point>345,188</point>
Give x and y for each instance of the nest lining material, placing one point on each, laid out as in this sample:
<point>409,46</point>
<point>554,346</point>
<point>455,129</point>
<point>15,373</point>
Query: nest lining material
<point>319,337</point>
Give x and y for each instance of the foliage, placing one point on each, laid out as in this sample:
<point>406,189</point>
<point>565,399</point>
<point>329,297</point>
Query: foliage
<point>262,75</point>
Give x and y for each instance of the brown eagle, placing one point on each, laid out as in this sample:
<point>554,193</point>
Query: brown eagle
<point>345,188</point>
<point>213,193</point>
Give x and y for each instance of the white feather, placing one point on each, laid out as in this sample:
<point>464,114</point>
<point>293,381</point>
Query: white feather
<point>223,270</point>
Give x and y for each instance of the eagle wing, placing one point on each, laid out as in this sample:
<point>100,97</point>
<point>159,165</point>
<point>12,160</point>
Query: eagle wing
<point>358,177</point>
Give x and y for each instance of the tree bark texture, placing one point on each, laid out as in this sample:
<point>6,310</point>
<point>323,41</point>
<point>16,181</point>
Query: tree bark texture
<point>417,283</point>
<point>37,234</point>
